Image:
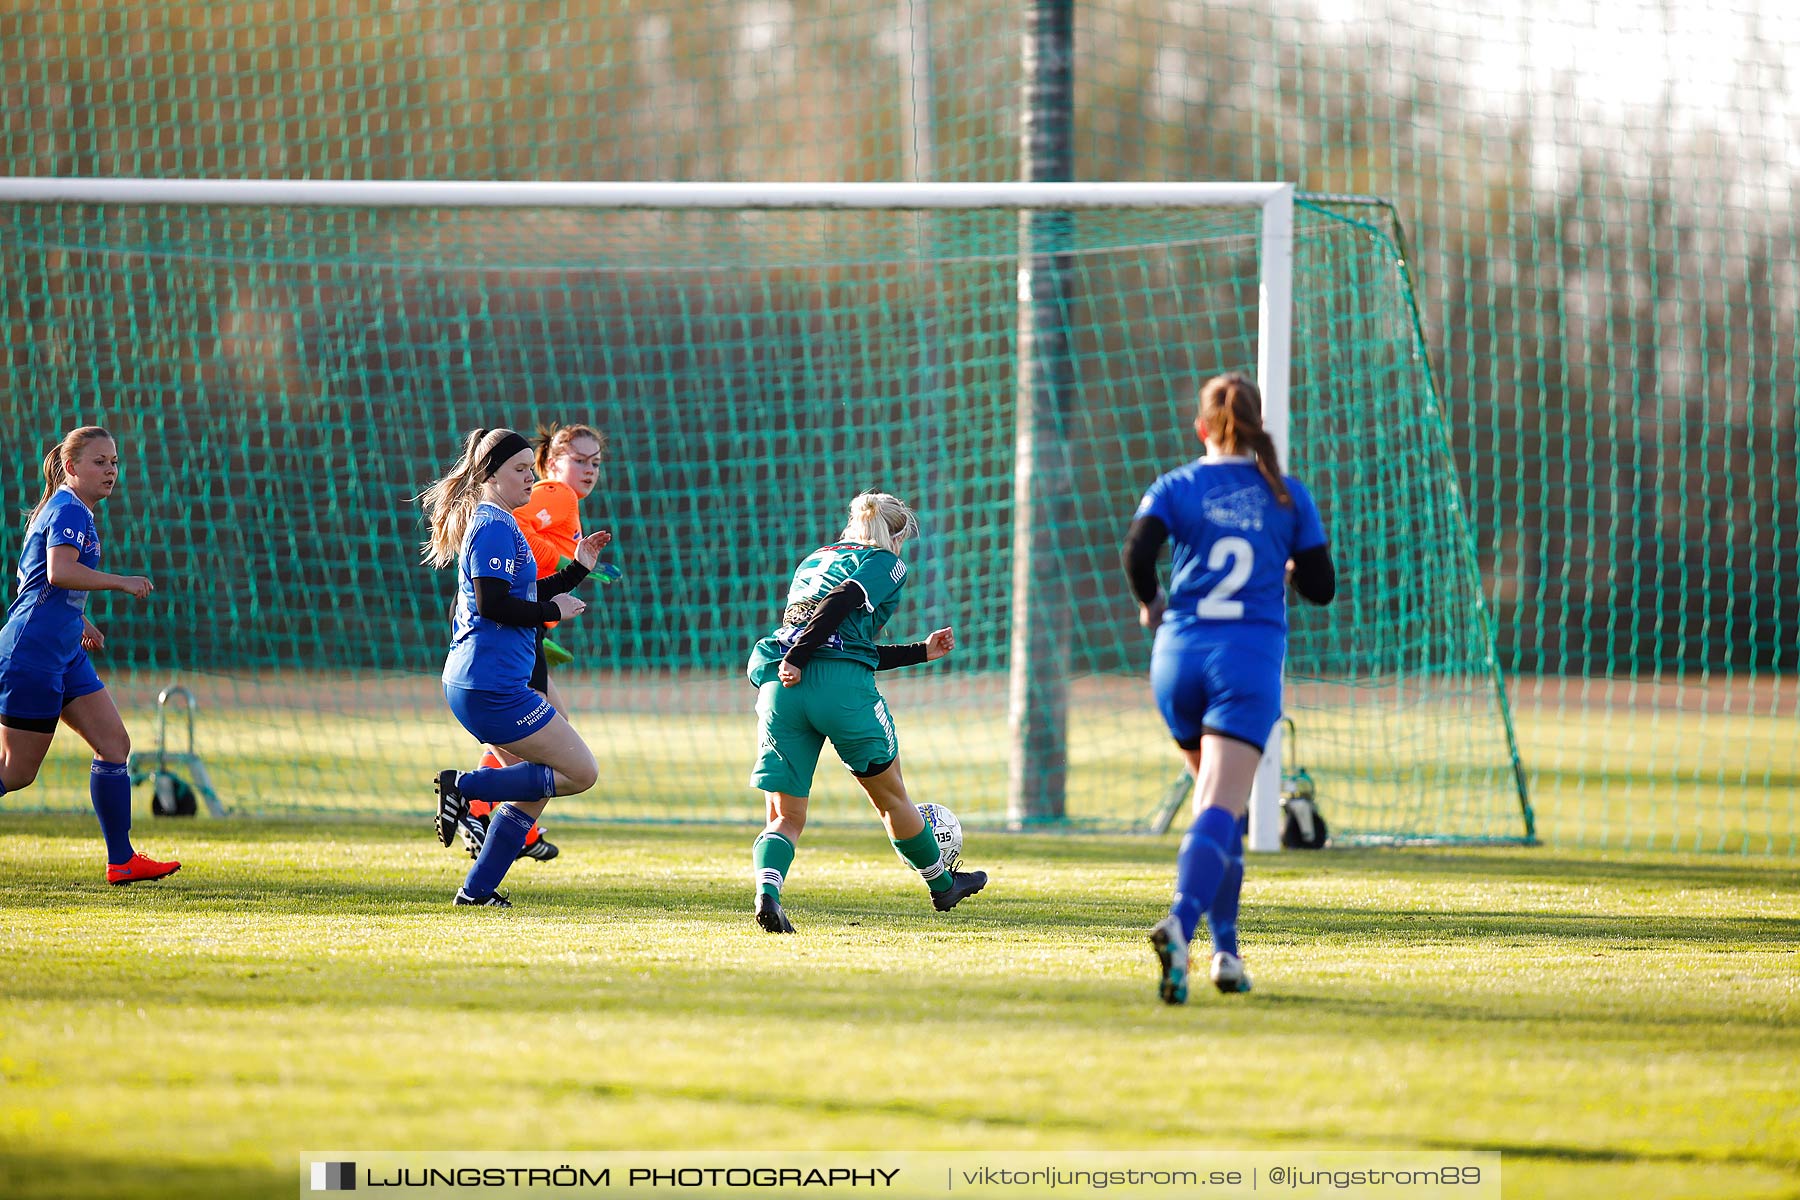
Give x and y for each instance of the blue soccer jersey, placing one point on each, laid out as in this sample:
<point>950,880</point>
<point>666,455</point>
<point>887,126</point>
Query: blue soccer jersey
<point>485,654</point>
<point>1231,542</point>
<point>43,625</point>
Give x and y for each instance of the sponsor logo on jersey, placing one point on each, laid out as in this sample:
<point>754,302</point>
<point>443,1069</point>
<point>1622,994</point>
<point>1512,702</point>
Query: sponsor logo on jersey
<point>83,540</point>
<point>493,562</point>
<point>1242,508</point>
<point>787,635</point>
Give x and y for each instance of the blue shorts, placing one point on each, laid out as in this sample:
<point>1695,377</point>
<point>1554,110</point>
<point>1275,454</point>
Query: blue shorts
<point>34,694</point>
<point>1222,688</point>
<point>499,718</point>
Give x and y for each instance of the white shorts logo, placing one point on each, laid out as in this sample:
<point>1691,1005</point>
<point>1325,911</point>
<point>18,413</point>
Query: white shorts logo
<point>887,725</point>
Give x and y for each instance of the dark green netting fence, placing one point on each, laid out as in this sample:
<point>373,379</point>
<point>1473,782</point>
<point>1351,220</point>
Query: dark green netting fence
<point>1604,260</point>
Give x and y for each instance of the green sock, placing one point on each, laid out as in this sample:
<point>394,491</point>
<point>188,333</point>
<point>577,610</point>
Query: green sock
<point>921,850</point>
<point>773,855</point>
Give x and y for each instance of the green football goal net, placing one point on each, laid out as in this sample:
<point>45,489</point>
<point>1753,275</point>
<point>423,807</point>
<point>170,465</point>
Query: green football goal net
<point>285,365</point>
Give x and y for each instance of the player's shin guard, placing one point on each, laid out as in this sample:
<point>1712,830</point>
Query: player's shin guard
<point>1200,866</point>
<point>921,851</point>
<point>772,855</point>
<point>1222,915</point>
<point>521,781</point>
<point>505,837</point>
<point>109,785</point>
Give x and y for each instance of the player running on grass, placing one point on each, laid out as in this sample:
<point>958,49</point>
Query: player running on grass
<point>815,678</point>
<point>567,460</point>
<point>45,673</point>
<point>1221,633</point>
<point>487,675</point>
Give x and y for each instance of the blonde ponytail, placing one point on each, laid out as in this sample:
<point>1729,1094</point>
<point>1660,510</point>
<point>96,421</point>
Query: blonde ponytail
<point>56,463</point>
<point>878,519</point>
<point>452,500</point>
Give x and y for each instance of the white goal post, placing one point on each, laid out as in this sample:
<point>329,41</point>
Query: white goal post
<point>1275,201</point>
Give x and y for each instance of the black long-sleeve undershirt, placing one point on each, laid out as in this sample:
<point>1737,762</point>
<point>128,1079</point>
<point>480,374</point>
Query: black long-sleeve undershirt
<point>566,579</point>
<point>905,654</point>
<point>1143,542</point>
<point>837,604</point>
<point>1315,575</point>
<point>495,601</point>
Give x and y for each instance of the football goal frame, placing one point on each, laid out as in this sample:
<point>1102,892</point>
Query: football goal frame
<point>1038,669</point>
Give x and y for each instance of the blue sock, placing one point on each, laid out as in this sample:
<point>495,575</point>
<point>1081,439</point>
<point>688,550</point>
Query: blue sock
<point>109,784</point>
<point>1221,917</point>
<point>1201,865</point>
<point>496,785</point>
<point>507,828</point>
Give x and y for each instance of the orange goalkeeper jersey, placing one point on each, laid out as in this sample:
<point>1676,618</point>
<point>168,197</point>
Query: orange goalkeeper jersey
<point>550,523</point>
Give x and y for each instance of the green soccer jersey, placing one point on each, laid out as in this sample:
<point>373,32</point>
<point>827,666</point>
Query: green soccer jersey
<point>878,573</point>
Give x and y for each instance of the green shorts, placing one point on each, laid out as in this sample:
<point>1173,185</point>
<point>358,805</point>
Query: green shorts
<point>835,699</point>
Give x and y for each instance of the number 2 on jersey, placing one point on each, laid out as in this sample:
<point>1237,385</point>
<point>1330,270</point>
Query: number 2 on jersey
<point>1240,556</point>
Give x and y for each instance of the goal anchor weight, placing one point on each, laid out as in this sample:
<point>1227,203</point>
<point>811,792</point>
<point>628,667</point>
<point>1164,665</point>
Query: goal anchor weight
<point>1302,825</point>
<point>172,795</point>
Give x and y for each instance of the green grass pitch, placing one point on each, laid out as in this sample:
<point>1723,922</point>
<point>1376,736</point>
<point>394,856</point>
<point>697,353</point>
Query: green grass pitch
<point>304,759</point>
<point>1611,777</point>
<point>1614,1024</point>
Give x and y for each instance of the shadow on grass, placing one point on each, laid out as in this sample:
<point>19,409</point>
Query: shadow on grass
<point>1610,1155</point>
<point>828,903</point>
<point>1499,929</point>
<point>853,957</point>
<point>30,1175</point>
<point>315,872</point>
<point>888,904</point>
<point>62,1175</point>
<point>1656,870</point>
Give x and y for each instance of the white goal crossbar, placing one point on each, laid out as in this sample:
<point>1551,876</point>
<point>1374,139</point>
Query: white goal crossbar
<point>1275,288</point>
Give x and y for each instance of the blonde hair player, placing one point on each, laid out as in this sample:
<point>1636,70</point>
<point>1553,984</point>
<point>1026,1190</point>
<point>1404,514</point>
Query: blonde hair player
<point>815,679</point>
<point>500,605</point>
<point>1238,528</point>
<point>45,673</point>
<point>567,461</point>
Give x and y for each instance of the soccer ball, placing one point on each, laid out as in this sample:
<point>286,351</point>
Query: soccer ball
<point>947,830</point>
